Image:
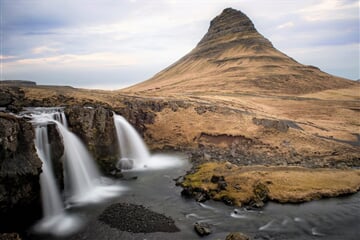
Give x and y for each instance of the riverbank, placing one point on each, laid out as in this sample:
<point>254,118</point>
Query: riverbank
<point>254,185</point>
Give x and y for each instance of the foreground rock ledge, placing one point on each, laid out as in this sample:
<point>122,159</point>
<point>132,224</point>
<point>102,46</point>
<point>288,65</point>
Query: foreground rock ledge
<point>254,185</point>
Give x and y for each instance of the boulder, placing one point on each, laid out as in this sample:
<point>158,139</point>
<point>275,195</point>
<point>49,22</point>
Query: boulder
<point>237,236</point>
<point>203,229</point>
<point>125,164</point>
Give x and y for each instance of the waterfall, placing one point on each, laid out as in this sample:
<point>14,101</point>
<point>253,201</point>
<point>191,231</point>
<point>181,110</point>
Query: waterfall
<point>50,195</point>
<point>134,152</point>
<point>83,182</point>
<point>82,179</point>
<point>60,117</point>
<point>54,220</point>
<point>131,145</point>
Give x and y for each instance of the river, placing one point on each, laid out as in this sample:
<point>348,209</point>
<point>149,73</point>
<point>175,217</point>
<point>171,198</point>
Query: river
<point>336,218</point>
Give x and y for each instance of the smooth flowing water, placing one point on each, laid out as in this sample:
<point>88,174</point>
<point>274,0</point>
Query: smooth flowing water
<point>336,218</point>
<point>131,145</point>
<point>83,182</point>
<point>133,148</point>
<point>54,217</point>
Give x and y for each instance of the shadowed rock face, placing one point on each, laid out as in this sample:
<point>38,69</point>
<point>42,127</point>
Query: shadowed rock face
<point>95,127</point>
<point>57,151</point>
<point>20,168</point>
<point>236,23</point>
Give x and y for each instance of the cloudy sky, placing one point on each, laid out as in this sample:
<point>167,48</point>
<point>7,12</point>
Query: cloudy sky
<point>111,44</point>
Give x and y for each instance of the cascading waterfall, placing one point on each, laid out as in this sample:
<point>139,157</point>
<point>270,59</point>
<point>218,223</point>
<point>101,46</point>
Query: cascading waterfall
<point>132,147</point>
<point>60,117</point>
<point>83,182</point>
<point>55,219</point>
<point>81,172</point>
<point>134,152</point>
<point>52,203</point>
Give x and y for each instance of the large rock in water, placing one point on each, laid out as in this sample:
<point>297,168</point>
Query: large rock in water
<point>95,127</point>
<point>20,168</point>
<point>237,236</point>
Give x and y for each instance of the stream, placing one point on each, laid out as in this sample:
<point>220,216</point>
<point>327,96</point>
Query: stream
<point>336,218</point>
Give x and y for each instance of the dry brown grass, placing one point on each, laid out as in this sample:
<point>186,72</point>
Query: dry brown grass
<point>285,184</point>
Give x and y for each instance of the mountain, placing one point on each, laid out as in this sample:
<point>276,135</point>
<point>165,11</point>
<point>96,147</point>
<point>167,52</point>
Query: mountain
<point>234,57</point>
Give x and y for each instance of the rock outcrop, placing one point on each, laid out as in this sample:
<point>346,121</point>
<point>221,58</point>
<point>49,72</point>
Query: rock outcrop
<point>95,127</point>
<point>12,98</point>
<point>20,168</point>
<point>202,229</point>
<point>57,152</point>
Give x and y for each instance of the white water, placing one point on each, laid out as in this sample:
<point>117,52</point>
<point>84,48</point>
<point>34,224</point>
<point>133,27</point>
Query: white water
<point>130,143</point>
<point>52,203</point>
<point>60,117</point>
<point>55,219</point>
<point>83,182</point>
<point>132,147</point>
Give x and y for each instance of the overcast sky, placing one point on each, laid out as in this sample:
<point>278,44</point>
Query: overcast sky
<point>111,44</point>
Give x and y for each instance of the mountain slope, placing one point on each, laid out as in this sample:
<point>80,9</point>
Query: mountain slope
<point>234,57</point>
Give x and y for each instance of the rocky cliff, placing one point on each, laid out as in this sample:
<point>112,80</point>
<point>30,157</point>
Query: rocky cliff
<point>95,127</point>
<point>20,168</point>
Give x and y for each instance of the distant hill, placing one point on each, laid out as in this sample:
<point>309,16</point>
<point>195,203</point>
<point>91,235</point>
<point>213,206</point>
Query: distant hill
<point>18,82</point>
<point>234,57</point>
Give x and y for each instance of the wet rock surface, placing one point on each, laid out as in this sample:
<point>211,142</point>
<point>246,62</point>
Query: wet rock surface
<point>57,151</point>
<point>202,229</point>
<point>136,219</point>
<point>95,127</point>
<point>237,236</point>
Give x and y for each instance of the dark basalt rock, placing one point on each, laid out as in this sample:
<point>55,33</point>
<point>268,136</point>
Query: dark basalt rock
<point>57,152</point>
<point>95,127</point>
<point>203,229</point>
<point>199,194</point>
<point>261,192</point>
<point>5,98</point>
<point>136,219</point>
<point>12,98</point>
<point>231,23</point>
<point>20,168</point>
<point>237,236</point>
<point>280,125</point>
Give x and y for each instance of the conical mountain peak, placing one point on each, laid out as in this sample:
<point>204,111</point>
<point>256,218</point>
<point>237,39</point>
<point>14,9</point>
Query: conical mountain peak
<point>233,25</point>
<point>234,57</point>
